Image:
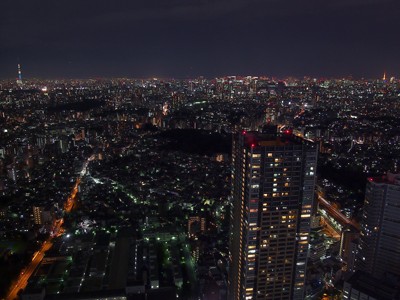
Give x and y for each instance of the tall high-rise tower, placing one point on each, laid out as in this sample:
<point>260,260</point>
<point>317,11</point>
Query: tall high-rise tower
<point>273,179</point>
<point>379,245</point>
<point>19,80</point>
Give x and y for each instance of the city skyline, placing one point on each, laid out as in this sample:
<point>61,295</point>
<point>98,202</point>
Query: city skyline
<point>189,39</point>
<point>262,76</point>
<point>385,77</point>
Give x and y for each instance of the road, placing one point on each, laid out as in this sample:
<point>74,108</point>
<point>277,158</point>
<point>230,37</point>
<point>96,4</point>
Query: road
<point>71,201</point>
<point>330,230</point>
<point>336,214</point>
<point>26,273</point>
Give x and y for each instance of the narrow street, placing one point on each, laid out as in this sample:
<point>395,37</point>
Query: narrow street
<point>27,272</point>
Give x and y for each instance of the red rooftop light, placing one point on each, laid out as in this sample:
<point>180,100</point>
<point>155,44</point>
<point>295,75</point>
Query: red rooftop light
<point>288,131</point>
<point>253,145</point>
<point>244,132</point>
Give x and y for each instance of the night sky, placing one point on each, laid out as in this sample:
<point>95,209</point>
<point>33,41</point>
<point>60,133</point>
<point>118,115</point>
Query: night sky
<point>188,38</point>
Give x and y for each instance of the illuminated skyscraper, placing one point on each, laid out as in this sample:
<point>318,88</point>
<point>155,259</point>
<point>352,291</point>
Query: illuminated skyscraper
<point>379,246</point>
<point>37,215</point>
<point>273,179</point>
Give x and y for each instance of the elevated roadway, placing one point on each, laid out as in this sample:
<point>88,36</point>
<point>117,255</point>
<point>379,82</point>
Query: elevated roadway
<point>336,214</point>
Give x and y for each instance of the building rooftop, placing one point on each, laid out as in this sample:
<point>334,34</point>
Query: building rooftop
<point>270,137</point>
<point>389,178</point>
<point>373,287</point>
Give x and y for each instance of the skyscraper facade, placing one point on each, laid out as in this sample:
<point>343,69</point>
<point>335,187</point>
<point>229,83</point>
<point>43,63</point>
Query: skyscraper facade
<point>273,179</point>
<point>379,245</point>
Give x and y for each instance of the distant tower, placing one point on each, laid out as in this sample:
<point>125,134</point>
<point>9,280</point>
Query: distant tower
<point>19,80</point>
<point>384,76</point>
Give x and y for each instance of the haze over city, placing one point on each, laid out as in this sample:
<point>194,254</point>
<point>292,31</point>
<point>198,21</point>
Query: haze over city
<point>183,39</point>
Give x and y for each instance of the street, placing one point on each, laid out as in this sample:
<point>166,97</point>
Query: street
<point>335,213</point>
<point>27,272</point>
